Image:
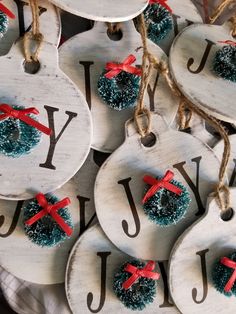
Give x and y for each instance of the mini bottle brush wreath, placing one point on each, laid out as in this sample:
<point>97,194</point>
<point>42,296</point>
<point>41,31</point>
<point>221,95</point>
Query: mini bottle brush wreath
<point>4,21</point>
<point>119,87</point>
<point>224,275</point>
<point>158,20</point>
<point>135,284</point>
<point>19,131</point>
<point>166,201</point>
<point>224,63</point>
<point>47,220</point>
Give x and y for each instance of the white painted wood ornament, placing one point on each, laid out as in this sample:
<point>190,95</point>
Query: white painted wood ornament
<point>120,188</point>
<point>58,157</point>
<point>47,265</point>
<point>89,278</point>
<point>84,57</point>
<point>50,24</point>
<point>191,63</point>
<point>104,10</point>
<point>231,168</point>
<point>193,258</point>
<point>183,14</point>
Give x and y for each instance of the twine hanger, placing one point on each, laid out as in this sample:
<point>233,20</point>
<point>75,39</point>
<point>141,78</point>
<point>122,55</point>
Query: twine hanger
<point>34,35</point>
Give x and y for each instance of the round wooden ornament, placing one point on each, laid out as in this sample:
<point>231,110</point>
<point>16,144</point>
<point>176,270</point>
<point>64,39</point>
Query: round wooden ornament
<point>50,24</point>
<point>47,265</point>
<point>89,277</point>
<point>119,187</point>
<point>231,169</point>
<point>62,107</point>
<point>104,10</point>
<point>191,64</point>
<point>192,260</point>
<point>184,13</point>
<point>84,57</point>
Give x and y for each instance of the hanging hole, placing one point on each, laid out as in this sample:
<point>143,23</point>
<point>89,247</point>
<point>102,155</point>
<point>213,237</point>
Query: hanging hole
<point>31,67</point>
<point>149,140</point>
<point>227,215</point>
<point>115,36</point>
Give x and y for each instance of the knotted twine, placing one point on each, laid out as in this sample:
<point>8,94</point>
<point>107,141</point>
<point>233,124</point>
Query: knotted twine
<point>222,192</point>
<point>33,35</point>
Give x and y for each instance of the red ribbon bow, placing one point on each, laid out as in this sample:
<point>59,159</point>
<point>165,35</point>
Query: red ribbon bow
<point>6,11</point>
<point>228,42</point>
<point>51,209</point>
<point>115,68</point>
<point>9,112</point>
<point>146,272</point>
<point>158,184</point>
<point>231,264</point>
<point>162,3</point>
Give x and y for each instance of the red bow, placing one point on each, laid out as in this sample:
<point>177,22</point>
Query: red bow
<point>231,264</point>
<point>9,112</point>
<point>158,184</point>
<point>51,209</point>
<point>6,11</point>
<point>115,68</point>
<point>162,3</point>
<point>146,272</point>
<point>227,42</point>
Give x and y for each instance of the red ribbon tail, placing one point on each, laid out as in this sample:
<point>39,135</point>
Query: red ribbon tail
<point>151,192</point>
<point>36,217</point>
<point>67,229</point>
<point>112,73</point>
<point>35,124</point>
<point>129,60</point>
<point>63,203</point>
<point>7,11</point>
<point>129,282</point>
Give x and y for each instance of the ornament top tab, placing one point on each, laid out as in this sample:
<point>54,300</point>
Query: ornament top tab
<point>103,10</point>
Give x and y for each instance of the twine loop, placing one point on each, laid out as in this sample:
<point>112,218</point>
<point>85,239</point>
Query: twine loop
<point>220,9</point>
<point>113,27</point>
<point>32,54</point>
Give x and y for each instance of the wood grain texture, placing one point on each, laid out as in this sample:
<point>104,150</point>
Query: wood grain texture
<point>216,236</point>
<point>96,48</point>
<point>184,13</point>
<point>23,177</point>
<point>218,150</point>
<point>50,24</point>
<point>173,150</point>
<point>46,265</point>
<point>203,87</point>
<point>103,10</point>
<point>83,277</point>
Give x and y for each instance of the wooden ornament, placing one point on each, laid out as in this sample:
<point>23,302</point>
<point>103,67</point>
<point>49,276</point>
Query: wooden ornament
<point>50,24</point>
<point>46,265</point>
<point>192,260</point>
<point>89,277</point>
<point>231,168</point>
<point>84,57</point>
<point>62,107</point>
<point>191,64</point>
<point>104,10</point>
<point>120,188</point>
<point>184,14</point>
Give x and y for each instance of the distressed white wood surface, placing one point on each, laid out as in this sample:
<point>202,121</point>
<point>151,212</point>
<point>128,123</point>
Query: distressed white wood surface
<point>130,162</point>
<point>83,276</point>
<point>50,23</point>
<point>198,129</point>
<point>27,261</point>
<point>97,48</point>
<point>184,14</point>
<point>218,150</point>
<point>205,89</point>
<point>185,270</point>
<point>23,177</point>
<point>103,10</point>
